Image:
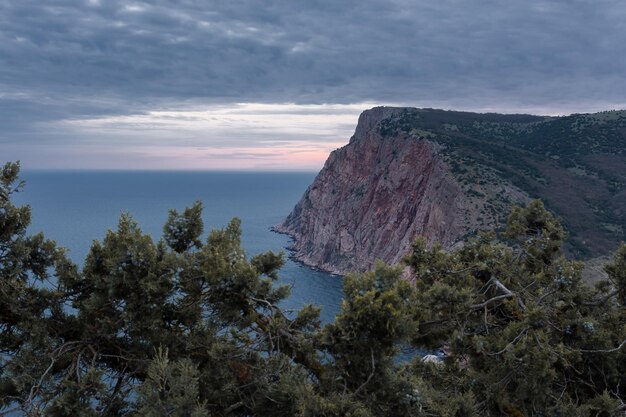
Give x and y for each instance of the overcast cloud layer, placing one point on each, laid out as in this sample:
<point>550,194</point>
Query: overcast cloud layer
<point>83,82</point>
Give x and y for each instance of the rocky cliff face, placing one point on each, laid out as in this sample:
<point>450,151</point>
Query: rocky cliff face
<point>373,197</point>
<point>444,174</point>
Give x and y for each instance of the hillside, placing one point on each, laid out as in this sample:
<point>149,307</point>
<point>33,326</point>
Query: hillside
<point>447,174</point>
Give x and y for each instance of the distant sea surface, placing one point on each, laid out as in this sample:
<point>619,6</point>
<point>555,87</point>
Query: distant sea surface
<point>74,208</point>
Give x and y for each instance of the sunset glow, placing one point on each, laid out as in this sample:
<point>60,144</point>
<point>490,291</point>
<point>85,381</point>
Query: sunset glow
<point>245,136</point>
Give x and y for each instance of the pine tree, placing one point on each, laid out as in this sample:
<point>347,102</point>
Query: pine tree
<point>183,327</point>
<point>524,334</point>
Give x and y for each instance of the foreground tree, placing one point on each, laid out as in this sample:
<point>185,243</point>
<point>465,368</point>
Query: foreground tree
<point>524,335</point>
<point>183,327</point>
<point>194,325</point>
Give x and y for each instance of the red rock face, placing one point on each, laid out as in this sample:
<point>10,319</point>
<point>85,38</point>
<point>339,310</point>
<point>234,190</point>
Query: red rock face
<point>371,200</point>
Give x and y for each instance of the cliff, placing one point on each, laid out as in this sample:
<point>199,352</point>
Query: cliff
<point>373,197</point>
<point>444,175</point>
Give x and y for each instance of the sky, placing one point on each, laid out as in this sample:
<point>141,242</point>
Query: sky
<point>277,84</point>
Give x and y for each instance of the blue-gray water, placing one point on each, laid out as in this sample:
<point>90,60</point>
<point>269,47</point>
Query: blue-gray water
<point>74,208</point>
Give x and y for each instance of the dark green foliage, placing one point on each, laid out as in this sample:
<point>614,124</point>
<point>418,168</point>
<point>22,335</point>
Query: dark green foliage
<point>524,334</point>
<point>617,273</point>
<point>181,232</point>
<point>575,164</point>
<point>374,320</point>
<point>171,389</point>
<point>103,341</point>
<point>182,327</point>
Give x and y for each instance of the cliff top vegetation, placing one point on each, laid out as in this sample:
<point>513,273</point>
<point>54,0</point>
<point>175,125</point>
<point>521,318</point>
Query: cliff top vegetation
<point>576,164</point>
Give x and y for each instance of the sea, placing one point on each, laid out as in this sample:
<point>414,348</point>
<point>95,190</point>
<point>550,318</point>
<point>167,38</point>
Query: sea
<point>74,208</point>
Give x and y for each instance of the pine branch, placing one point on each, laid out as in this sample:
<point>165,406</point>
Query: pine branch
<point>621,345</point>
<point>507,294</point>
<point>602,300</point>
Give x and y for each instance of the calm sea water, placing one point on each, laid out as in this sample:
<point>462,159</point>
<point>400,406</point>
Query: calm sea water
<point>75,208</point>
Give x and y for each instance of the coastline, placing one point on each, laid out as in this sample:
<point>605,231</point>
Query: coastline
<point>300,258</point>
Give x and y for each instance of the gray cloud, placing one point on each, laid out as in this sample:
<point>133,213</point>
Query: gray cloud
<point>74,59</point>
<point>307,51</point>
